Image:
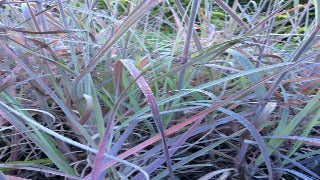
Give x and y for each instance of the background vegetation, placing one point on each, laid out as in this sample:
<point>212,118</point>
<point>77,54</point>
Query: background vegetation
<point>156,89</point>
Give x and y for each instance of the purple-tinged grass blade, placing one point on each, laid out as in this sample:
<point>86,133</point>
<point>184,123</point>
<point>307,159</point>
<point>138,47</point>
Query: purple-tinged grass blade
<point>33,17</point>
<point>117,146</point>
<point>187,43</point>
<point>298,174</point>
<point>302,167</point>
<point>58,136</point>
<point>186,20</point>
<point>2,176</point>
<point>7,81</point>
<point>33,32</point>
<point>237,19</point>
<point>268,17</point>
<point>142,83</point>
<point>256,135</point>
<point>300,51</point>
<point>201,129</point>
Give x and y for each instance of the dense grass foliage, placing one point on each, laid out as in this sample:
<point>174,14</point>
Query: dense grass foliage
<point>158,89</point>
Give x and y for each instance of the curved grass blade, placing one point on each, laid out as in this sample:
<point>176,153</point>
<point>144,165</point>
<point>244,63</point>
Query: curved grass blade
<point>260,91</point>
<point>152,167</point>
<point>302,167</point>
<point>209,84</point>
<point>255,134</point>
<point>298,174</point>
<point>201,114</point>
<point>142,83</point>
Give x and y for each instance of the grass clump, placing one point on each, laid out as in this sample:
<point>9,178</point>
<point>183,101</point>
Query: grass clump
<point>153,89</point>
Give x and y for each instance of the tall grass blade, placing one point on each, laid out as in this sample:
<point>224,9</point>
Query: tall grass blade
<point>187,43</point>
